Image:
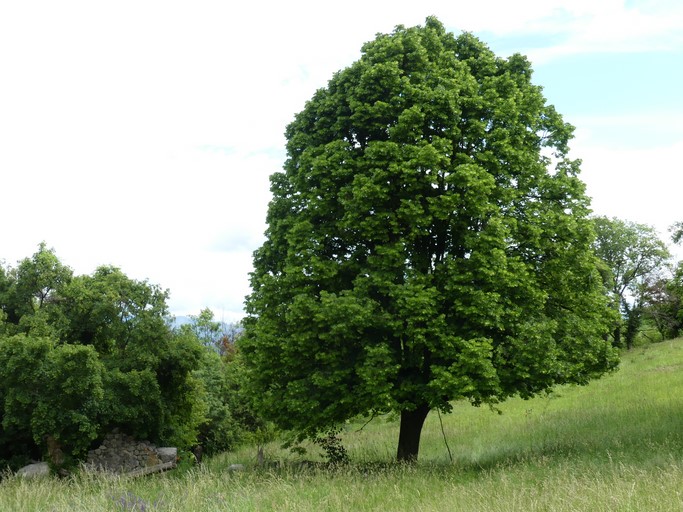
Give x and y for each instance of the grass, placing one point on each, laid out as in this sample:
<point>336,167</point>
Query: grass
<point>615,445</point>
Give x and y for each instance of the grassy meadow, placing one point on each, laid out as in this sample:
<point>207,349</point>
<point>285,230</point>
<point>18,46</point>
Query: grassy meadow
<point>615,445</point>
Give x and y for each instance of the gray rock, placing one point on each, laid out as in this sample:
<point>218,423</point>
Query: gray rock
<point>167,454</point>
<point>34,470</point>
<point>236,467</point>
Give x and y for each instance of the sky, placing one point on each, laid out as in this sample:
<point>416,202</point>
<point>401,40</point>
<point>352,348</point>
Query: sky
<point>141,134</point>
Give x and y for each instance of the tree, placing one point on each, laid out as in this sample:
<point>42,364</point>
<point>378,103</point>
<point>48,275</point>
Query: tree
<point>230,418</point>
<point>662,299</point>
<point>110,311</point>
<point>677,232</point>
<point>93,352</point>
<point>33,284</point>
<point>150,391</point>
<point>631,253</point>
<point>421,245</point>
<point>53,392</point>
<point>205,327</point>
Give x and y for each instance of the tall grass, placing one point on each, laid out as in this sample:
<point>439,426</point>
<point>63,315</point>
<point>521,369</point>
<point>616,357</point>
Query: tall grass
<point>613,445</point>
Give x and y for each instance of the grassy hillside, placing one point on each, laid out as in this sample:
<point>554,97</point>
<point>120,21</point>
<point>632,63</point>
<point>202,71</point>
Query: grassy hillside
<point>616,444</point>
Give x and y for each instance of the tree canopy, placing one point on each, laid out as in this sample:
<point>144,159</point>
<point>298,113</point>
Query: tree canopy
<point>428,241</point>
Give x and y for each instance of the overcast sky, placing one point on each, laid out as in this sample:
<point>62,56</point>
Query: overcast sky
<point>141,134</point>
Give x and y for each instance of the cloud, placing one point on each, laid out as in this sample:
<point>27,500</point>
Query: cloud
<point>142,134</point>
<point>630,130</point>
<point>610,26</point>
<point>641,185</point>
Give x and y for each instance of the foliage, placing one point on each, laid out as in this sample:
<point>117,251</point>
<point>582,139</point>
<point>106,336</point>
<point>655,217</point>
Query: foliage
<point>662,299</point>
<point>83,354</point>
<point>331,443</point>
<point>218,336</point>
<point>36,282</point>
<point>205,328</point>
<point>230,418</point>
<point>676,232</point>
<point>150,391</point>
<point>421,247</point>
<point>51,391</point>
<point>219,430</point>
<point>115,314</point>
<point>632,254</point>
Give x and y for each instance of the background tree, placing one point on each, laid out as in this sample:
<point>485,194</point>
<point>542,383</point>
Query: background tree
<point>150,391</point>
<point>29,291</point>
<point>632,253</point>
<point>420,249</point>
<point>662,299</point>
<point>676,232</point>
<point>205,328</point>
<point>230,417</point>
<point>227,343</point>
<point>93,352</point>
<point>5,286</point>
<point>51,392</point>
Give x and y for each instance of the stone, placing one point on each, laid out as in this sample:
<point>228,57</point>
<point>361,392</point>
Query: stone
<point>236,467</point>
<point>34,470</point>
<point>167,454</point>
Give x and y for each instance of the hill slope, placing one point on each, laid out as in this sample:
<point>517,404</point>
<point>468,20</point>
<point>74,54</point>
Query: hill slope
<point>616,444</point>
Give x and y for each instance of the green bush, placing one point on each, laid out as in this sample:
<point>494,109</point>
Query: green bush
<point>81,355</point>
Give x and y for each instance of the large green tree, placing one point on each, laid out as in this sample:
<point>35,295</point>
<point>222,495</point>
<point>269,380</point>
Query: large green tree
<point>428,241</point>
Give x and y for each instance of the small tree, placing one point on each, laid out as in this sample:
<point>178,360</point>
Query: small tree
<point>205,328</point>
<point>421,247</point>
<point>40,277</point>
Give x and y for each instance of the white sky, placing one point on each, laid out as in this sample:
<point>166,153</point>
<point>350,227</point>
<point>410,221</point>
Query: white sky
<point>142,133</point>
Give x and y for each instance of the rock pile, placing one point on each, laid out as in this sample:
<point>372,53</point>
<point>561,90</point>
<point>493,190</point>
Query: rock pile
<point>120,453</point>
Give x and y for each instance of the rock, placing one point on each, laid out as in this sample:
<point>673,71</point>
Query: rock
<point>236,467</point>
<point>34,470</point>
<point>167,454</point>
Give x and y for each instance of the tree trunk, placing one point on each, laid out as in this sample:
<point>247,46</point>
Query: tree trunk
<point>409,434</point>
<point>54,450</point>
<point>616,341</point>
